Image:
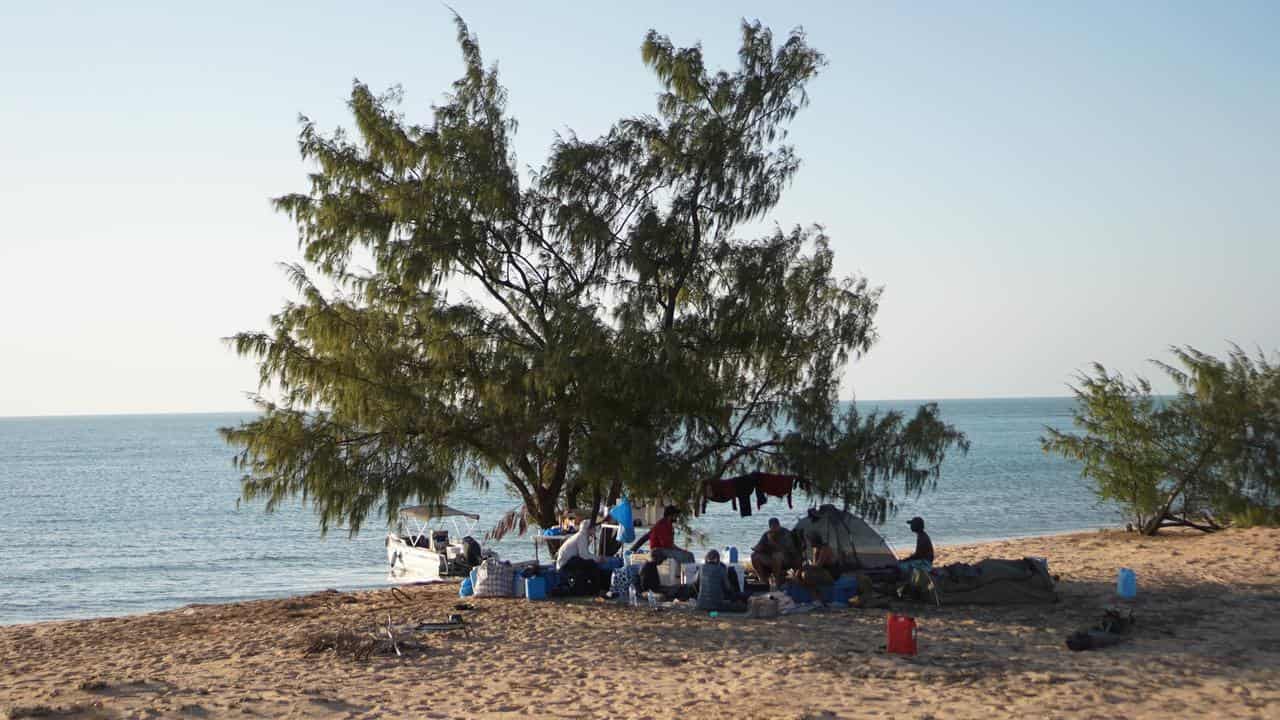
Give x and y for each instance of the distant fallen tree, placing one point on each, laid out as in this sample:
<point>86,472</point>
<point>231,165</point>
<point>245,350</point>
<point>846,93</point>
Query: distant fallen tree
<point>1206,457</point>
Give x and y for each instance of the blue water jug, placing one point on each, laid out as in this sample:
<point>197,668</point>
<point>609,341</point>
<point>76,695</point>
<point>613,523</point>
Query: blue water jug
<point>731,554</point>
<point>1127,584</point>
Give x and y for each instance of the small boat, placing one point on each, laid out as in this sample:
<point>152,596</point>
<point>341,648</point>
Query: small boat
<point>422,550</point>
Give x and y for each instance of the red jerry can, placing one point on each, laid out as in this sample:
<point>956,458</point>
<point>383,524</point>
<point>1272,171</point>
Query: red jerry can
<point>902,634</point>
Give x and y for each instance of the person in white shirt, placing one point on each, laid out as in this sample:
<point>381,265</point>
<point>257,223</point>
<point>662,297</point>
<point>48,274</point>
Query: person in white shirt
<point>576,545</point>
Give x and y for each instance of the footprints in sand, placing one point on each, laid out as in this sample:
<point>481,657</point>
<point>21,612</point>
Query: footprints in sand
<point>1207,639</point>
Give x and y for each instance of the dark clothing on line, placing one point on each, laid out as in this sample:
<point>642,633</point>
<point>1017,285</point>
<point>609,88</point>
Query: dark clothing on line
<point>775,485</point>
<point>719,491</point>
<point>744,486</point>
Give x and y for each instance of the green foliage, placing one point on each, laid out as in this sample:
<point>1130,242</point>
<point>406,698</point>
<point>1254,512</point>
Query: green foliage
<point>1209,453</point>
<point>592,328</point>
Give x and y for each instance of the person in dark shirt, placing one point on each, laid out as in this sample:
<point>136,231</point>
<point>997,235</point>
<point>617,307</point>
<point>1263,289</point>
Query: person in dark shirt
<point>717,587</point>
<point>922,558</point>
<point>775,554</point>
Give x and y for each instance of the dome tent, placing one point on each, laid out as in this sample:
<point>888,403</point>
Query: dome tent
<point>853,540</point>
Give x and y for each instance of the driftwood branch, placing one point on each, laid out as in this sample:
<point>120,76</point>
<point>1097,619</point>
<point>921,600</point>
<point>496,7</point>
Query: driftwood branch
<point>1209,525</point>
<point>392,637</point>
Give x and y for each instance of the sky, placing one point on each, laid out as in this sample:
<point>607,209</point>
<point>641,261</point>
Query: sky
<point>1036,186</point>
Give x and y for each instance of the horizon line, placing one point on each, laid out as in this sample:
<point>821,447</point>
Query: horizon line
<point>141,413</point>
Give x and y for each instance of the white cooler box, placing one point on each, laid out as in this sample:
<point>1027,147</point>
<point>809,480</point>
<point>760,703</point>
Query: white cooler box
<point>669,573</point>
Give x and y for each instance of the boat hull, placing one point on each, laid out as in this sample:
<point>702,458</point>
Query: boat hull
<point>410,564</point>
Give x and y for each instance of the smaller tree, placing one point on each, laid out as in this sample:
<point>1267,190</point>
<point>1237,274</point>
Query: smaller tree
<point>1208,453</point>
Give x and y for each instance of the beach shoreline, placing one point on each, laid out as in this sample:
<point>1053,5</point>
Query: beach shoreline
<point>1206,641</point>
<point>362,587</point>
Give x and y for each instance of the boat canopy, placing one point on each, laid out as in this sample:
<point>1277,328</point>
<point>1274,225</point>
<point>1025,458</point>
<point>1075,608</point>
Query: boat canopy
<point>424,513</point>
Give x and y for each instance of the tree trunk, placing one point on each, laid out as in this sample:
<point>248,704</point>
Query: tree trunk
<point>1155,523</point>
<point>595,501</point>
<point>544,511</point>
<point>615,491</point>
<point>572,495</point>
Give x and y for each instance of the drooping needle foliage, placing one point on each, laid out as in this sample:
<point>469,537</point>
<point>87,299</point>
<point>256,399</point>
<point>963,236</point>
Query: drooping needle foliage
<point>1207,455</point>
<point>592,327</point>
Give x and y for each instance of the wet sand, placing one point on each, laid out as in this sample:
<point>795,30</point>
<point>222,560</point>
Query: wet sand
<point>1207,643</point>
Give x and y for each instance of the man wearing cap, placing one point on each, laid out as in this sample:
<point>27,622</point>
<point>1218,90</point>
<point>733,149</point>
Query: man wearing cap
<point>922,558</point>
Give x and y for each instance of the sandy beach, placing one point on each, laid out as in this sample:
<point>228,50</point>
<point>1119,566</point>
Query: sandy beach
<point>1207,643</point>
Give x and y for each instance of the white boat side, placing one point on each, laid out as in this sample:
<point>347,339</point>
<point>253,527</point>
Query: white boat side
<point>415,553</point>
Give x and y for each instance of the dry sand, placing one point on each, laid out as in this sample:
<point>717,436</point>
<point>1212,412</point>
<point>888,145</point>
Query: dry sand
<point>1207,644</point>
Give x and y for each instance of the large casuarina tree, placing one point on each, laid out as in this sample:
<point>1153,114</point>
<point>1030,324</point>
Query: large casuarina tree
<point>592,327</point>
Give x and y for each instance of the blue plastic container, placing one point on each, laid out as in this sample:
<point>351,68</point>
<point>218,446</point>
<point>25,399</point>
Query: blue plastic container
<point>535,588</point>
<point>797,594</point>
<point>466,589</point>
<point>552,577</point>
<point>1127,584</point>
<point>844,590</point>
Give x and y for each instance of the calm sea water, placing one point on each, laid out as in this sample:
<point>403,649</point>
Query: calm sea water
<point>110,515</point>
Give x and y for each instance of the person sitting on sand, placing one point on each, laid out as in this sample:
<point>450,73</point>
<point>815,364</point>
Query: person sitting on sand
<point>715,589</point>
<point>576,545</point>
<point>821,570</point>
<point>662,539</point>
<point>775,554</point>
<point>922,558</point>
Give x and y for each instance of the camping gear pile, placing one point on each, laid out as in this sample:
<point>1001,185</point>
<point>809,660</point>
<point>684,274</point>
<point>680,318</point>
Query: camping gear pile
<point>867,574</point>
<point>989,582</point>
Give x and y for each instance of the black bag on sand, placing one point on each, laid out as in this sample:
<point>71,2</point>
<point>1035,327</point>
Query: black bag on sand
<point>581,576</point>
<point>1113,629</point>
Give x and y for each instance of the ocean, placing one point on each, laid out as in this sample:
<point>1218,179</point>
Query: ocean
<point>110,515</point>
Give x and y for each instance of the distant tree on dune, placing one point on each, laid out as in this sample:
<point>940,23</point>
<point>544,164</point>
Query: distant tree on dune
<point>1206,456</point>
<point>585,329</point>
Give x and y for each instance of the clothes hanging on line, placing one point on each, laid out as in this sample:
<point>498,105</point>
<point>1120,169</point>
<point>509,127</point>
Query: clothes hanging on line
<point>744,486</point>
<point>718,491</point>
<point>738,490</point>
<point>775,485</point>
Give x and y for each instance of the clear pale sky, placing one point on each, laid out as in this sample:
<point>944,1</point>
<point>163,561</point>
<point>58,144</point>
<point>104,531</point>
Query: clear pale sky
<point>1036,187</point>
